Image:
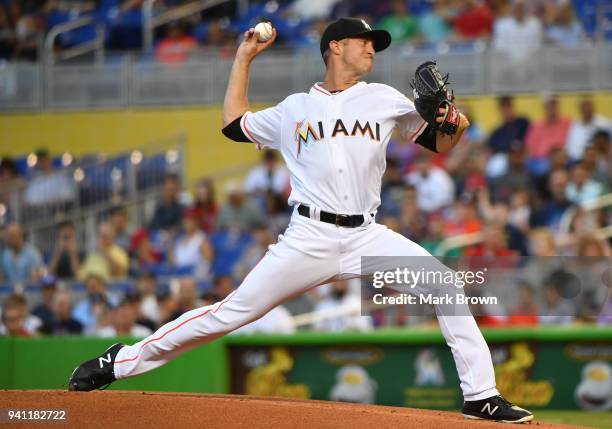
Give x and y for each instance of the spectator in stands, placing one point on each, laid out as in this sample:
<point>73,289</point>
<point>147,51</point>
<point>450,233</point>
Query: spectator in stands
<point>518,34</point>
<point>168,305</point>
<point>549,212</point>
<point>29,31</point>
<point>543,136</point>
<point>434,24</point>
<point>582,187</point>
<point>469,174</point>
<point>191,252</point>
<point>169,211</point>
<point>16,321</point>
<point>498,213</point>
<point>309,10</point>
<point>399,23</point>
<point>262,239</point>
<point>514,178</point>
<point>271,175</point>
<point>436,233</point>
<point>186,297</point>
<point>463,217</point>
<point>277,212</point>
<point>525,312</point>
<point>120,222</point>
<point>47,186</point>
<point>123,323</point>
<point>67,257</point>
<point>519,209</point>
<point>582,131</point>
<point>7,35</point>
<point>512,131</point>
<point>557,310</point>
<point>48,289</point>
<point>341,300</point>
<point>392,189</point>
<point>239,212</point>
<point>223,285</point>
<point>20,261</point>
<point>591,267</point>
<point>177,46</point>
<point>123,19</point>
<point>598,165</point>
<point>413,222</point>
<point>62,322</point>
<point>10,180</point>
<point>494,244</point>
<point>205,205</point>
<point>108,259</point>
<point>602,145</point>
<point>90,310</point>
<point>355,8</point>
<point>13,319</point>
<point>435,188</point>
<point>543,261</point>
<point>474,20</point>
<point>146,286</point>
<point>144,256</point>
<point>565,30</point>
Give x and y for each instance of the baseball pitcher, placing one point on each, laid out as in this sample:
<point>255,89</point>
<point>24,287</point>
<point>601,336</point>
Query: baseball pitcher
<point>333,139</point>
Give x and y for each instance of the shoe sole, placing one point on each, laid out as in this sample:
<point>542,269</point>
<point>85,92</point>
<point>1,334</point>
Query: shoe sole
<point>521,420</point>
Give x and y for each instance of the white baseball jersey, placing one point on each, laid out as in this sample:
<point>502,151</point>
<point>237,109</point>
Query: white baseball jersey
<point>334,144</point>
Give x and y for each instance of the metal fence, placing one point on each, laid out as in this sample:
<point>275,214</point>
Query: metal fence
<point>86,190</point>
<point>128,80</point>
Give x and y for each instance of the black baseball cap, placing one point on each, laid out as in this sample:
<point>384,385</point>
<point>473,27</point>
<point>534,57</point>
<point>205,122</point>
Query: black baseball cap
<point>352,27</point>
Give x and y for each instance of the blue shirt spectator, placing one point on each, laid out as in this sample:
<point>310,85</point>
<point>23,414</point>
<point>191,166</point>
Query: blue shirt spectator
<point>512,129</point>
<point>20,262</point>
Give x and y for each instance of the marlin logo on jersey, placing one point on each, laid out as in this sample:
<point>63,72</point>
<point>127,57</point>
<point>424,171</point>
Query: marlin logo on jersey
<point>304,133</point>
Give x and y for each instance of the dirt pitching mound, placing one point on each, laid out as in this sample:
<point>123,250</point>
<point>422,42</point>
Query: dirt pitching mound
<point>148,410</point>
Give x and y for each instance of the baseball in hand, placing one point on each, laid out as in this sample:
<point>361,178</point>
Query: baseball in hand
<point>265,31</point>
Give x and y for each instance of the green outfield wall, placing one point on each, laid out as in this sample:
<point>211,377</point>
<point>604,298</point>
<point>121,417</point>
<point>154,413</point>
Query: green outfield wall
<point>556,368</point>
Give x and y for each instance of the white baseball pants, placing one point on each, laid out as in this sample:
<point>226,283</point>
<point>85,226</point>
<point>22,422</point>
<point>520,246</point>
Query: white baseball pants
<point>308,254</point>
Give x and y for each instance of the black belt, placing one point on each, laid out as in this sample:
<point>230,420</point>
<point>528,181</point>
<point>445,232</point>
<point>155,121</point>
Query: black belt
<point>347,221</point>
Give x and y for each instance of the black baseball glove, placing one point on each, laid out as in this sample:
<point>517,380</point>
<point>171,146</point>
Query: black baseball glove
<point>430,94</point>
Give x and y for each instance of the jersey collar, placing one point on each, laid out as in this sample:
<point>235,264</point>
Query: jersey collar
<point>317,89</point>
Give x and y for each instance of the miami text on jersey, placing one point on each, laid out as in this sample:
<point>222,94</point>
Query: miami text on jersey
<point>305,132</point>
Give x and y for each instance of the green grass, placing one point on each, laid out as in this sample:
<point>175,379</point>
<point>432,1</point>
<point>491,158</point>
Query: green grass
<point>578,418</point>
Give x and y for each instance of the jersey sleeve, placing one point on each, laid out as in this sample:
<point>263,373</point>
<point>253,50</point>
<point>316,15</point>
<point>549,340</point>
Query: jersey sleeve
<point>408,120</point>
<point>264,127</point>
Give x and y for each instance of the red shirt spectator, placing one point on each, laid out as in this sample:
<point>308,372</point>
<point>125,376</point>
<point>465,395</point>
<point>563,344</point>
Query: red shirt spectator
<point>205,207</point>
<point>550,133</point>
<point>176,47</point>
<point>474,21</point>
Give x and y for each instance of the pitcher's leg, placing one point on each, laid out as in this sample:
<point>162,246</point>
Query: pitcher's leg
<point>470,351</point>
<point>283,272</point>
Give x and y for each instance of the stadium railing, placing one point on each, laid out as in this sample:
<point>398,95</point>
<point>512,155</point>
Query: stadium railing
<point>96,44</point>
<point>150,22</point>
<point>586,207</point>
<point>92,186</point>
<point>138,80</point>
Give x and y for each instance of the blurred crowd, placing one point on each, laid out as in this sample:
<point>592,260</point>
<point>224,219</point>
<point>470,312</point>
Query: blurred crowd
<point>515,185</point>
<point>516,27</point>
